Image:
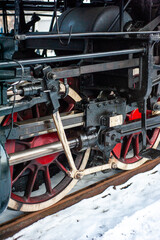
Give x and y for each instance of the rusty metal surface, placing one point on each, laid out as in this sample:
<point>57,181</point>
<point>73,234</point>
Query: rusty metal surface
<point>11,227</point>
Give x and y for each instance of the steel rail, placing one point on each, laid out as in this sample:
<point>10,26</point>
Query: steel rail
<point>13,226</point>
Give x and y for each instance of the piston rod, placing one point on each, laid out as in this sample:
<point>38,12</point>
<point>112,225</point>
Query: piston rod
<point>41,151</point>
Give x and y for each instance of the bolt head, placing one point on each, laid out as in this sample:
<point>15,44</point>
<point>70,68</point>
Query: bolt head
<point>79,176</point>
<point>114,165</point>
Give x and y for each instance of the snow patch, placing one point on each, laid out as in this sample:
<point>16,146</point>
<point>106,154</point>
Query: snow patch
<point>127,212</point>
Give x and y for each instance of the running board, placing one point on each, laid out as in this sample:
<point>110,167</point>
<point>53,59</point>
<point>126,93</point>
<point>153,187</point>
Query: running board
<point>150,153</point>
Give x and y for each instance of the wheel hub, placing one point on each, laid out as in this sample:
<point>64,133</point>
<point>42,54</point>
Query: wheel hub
<point>43,140</point>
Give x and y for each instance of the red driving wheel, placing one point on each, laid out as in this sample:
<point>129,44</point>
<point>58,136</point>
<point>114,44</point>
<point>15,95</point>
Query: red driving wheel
<point>128,151</point>
<point>43,181</point>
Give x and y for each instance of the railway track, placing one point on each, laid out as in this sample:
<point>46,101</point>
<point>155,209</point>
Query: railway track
<point>9,228</point>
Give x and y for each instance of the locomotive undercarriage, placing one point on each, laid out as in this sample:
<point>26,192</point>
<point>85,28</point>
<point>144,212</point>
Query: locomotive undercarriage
<point>104,84</point>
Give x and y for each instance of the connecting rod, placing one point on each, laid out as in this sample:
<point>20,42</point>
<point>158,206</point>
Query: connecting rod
<point>62,136</point>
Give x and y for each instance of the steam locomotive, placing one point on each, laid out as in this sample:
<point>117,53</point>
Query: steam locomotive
<point>79,97</point>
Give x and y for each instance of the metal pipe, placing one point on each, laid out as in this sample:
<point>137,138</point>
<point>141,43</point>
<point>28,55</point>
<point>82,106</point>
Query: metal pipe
<point>16,63</point>
<point>22,37</point>
<point>41,151</point>
<point>36,5</point>
<point>27,14</point>
<point>11,93</point>
<point>31,2</point>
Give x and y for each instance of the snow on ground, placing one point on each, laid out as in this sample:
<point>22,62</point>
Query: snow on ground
<point>9,214</point>
<point>128,212</point>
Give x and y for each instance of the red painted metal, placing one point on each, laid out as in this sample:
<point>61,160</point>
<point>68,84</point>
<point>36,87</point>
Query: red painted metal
<point>43,140</point>
<point>128,150</point>
<point>40,165</point>
<point>134,115</point>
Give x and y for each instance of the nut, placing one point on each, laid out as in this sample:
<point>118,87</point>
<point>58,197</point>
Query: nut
<point>114,165</point>
<point>78,175</point>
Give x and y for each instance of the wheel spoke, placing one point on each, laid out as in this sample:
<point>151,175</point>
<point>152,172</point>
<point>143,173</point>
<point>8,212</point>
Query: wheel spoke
<point>60,166</point>
<point>38,173</point>
<point>148,140</point>
<point>19,117</point>
<point>37,111</point>
<point>20,172</point>
<point>47,180</point>
<point>136,145</point>
<point>129,150</point>
<point>128,143</point>
<point>30,184</point>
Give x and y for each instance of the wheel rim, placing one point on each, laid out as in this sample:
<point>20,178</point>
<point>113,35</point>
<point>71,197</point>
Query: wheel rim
<point>50,189</point>
<point>128,151</point>
<point>51,169</point>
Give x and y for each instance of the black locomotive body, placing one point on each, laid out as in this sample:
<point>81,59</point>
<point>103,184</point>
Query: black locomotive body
<point>90,106</point>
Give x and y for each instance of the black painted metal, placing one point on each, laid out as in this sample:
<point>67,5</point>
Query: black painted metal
<point>99,113</point>
<point>23,37</point>
<point>10,64</point>
<point>123,8</point>
<point>136,126</point>
<point>22,105</point>
<point>5,180</point>
<point>101,62</point>
<point>121,15</point>
<point>150,154</point>
<point>93,68</point>
<point>30,129</point>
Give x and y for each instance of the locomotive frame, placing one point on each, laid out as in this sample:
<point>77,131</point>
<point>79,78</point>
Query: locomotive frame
<point>28,81</point>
